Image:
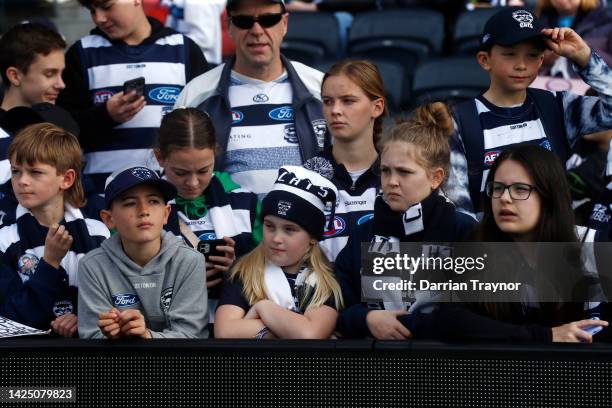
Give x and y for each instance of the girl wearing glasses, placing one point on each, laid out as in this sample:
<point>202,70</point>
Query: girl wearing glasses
<point>209,205</point>
<point>529,201</point>
<point>354,107</point>
<point>414,163</point>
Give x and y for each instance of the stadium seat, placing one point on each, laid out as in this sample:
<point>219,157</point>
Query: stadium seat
<point>450,79</point>
<point>468,30</point>
<point>396,88</point>
<point>311,37</point>
<point>406,36</point>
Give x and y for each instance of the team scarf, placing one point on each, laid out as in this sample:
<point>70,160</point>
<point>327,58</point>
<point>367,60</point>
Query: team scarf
<point>418,223</point>
<point>215,201</point>
<point>277,287</point>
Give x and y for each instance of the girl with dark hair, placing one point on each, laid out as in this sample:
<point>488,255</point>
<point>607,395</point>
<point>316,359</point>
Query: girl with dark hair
<point>354,106</point>
<point>209,205</point>
<point>529,202</point>
<point>415,158</point>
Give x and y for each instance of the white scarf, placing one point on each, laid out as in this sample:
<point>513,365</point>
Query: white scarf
<point>277,287</point>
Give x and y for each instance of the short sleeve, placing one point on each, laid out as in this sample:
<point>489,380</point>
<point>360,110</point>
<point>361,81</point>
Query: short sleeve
<point>232,294</point>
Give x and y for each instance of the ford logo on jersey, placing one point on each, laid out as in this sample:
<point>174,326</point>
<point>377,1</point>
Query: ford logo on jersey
<point>546,145</point>
<point>165,94</point>
<point>208,236</point>
<point>125,299</point>
<point>337,228</point>
<point>490,157</point>
<point>365,218</point>
<point>284,113</point>
<point>237,116</point>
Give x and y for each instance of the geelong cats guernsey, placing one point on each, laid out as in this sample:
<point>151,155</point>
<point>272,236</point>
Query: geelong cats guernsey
<point>164,63</point>
<point>31,291</point>
<point>263,136</point>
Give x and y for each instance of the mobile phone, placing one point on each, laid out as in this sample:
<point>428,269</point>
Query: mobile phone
<point>209,248</point>
<point>136,84</point>
<point>593,330</point>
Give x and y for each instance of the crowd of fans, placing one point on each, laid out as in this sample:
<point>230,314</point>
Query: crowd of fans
<point>151,190</point>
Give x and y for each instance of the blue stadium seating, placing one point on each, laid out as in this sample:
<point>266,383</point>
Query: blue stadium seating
<point>449,79</point>
<point>407,36</point>
<point>311,37</point>
<point>396,88</point>
<point>468,30</point>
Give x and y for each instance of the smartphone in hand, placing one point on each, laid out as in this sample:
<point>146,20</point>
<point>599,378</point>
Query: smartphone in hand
<point>136,84</point>
<point>209,248</point>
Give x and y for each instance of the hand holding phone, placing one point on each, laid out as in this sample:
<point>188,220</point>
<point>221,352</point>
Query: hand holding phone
<point>209,248</point>
<point>137,85</point>
<point>123,106</point>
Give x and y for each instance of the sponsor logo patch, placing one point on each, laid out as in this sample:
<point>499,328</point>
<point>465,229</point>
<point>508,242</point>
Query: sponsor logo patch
<point>237,117</point>
<point>26,266</point>
<point>284,113</point>
<point>524,18</point>
<point>101,97</point>
<point>283,207</point>
<point>289,134</point>
<point>261,98</point>
<point>62,307</point>
<point>165,94</point>
<point>126,299</point>
<point>338,226</point>
<point>142,173</point>
<point>166,298</point>
<point>208,236</point>
<point>365,218</point>
<point>320,128</point>
<point>490,157</point>
<point>546,145</point>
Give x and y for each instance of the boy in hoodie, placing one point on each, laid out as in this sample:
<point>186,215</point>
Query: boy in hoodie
<point>142,282</point>
<point>118,130</point>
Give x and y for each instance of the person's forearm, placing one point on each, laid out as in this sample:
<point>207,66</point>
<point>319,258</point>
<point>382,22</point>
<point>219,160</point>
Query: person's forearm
<point>287,324</point>
<point>238,328</point>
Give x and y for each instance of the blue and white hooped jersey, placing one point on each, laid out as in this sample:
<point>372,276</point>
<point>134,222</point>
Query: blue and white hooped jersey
<point>507,127</point>
<point>263,136</point>
<point>107,66</point>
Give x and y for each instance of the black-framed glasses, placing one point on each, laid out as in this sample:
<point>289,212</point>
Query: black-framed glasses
<point>518,191</point>
<point>265,20</point>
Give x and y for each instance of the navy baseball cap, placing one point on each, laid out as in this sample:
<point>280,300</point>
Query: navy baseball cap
<point>511,26</point>
<point>232,4</point>
<point>122,180</point>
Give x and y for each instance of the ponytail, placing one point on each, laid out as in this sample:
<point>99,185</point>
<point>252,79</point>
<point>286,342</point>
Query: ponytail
<point>429,129</point>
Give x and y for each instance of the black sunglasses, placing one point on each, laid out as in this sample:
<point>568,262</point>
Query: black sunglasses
<point>265,20</point>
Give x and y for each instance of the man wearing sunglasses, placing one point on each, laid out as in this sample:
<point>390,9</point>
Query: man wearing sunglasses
<point>266,109</point>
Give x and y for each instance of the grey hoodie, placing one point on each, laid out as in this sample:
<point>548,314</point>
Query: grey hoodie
<point>170,290</point>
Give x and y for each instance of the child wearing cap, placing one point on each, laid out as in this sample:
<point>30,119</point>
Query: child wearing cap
<point>142,282</point>
<point>39,253</point>
<point>285,287</point>
<point>509,113</point>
